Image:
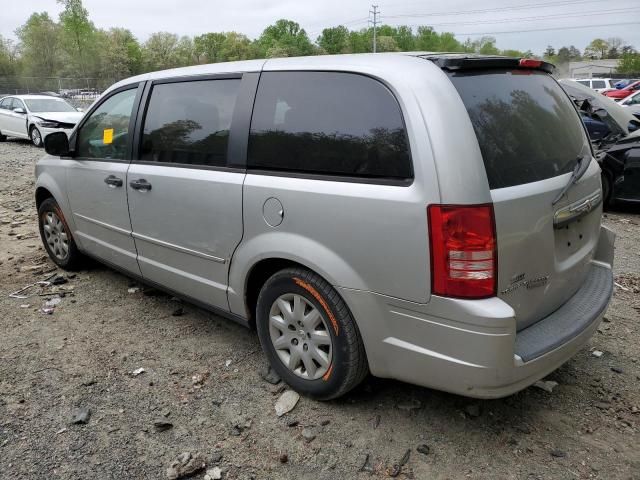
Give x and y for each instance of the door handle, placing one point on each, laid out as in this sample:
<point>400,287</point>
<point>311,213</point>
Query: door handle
<point>141,185</point>
<point>113,181</point>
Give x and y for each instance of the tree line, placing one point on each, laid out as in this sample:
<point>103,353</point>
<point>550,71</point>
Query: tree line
<point>72,46</point>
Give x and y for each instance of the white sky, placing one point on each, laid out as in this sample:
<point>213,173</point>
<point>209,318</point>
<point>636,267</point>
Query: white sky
<point>193,17</point>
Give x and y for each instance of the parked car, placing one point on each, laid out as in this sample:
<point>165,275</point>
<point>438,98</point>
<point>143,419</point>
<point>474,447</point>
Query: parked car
<point>623,92</point>
<point>632,102</point>
<point>597,84</point>
<point>430,218</point>
<point>623,83</point>
<point>618,151</point>
<point>35,116</point>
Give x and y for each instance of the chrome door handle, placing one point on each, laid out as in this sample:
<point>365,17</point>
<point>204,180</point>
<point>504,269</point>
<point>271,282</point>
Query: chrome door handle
<point>141,185</point>
<point>113,181</point>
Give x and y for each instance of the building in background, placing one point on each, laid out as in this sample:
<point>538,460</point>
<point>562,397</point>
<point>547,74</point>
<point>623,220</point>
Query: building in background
<point>593,68</point>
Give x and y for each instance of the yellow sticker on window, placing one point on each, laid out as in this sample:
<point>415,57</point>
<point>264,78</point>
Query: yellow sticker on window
<point>107,136</point>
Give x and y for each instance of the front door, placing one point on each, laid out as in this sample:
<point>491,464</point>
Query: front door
<point>185,201</point>
<point>96,180</point>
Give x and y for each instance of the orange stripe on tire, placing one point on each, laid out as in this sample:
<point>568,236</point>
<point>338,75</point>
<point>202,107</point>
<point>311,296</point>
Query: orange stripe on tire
<point>321,300</point>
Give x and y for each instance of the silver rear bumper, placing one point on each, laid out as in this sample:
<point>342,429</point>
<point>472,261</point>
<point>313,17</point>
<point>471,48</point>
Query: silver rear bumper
<point>472,347</point>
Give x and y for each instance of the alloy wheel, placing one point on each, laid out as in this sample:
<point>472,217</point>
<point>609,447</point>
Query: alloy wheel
<point>300,336</point>
<point>55,235</point>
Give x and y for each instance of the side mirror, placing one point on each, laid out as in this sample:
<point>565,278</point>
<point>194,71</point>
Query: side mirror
<point>80,109</point>
<point>57,144</point>
<point>19,110</point>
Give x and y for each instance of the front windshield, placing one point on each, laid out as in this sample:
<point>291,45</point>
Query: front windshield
<point>48,105</point>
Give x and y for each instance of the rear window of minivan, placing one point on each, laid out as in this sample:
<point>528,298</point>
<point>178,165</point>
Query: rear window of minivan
<point>527,128</point>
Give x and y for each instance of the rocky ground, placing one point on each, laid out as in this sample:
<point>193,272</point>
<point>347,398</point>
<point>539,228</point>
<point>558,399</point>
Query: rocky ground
<point>121,382</point>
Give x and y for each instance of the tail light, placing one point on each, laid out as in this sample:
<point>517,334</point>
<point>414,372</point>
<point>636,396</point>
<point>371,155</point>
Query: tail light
<point>529,63</point>
<point>463,250</point>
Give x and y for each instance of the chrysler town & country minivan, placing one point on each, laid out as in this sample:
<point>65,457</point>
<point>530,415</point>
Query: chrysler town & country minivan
<point>433,218</point>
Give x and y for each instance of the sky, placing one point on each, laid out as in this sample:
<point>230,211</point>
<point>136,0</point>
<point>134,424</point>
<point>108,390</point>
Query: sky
<point>554,19</point>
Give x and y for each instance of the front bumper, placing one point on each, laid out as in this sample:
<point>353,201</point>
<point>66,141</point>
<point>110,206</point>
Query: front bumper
<point>471,347</point>
<point>44,131</point>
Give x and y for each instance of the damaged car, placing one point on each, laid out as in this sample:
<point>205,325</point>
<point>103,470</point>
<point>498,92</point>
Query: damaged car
<point>615,136</point>
<point>33,117</point>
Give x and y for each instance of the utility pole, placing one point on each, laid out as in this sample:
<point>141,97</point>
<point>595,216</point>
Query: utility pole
<point>375,13</point>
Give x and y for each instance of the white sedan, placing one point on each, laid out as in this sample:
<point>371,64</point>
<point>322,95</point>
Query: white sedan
<point>632,102</point>
<point>36,116</point>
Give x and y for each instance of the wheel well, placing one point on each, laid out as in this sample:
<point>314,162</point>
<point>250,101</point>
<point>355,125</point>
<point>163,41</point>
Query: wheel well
<point>257,277</point>
<point>41,195</point>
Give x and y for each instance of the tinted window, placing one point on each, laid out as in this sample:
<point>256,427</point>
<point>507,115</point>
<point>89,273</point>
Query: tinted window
<point>188,122</point>
<point>527,128</point>
<point>328,123</point>
<point>106,131</point>
<point>598,84</point>
<point>586,83</point>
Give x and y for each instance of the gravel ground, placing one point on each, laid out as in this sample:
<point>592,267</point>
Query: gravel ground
<point>202,375</point>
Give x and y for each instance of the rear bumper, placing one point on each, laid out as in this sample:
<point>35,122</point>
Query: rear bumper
<point>472,347</point>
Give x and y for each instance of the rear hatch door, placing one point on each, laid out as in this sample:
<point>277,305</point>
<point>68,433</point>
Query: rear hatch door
<point>531,137</point>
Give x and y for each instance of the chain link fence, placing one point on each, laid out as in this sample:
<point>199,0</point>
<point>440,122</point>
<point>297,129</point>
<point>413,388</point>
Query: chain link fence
<point>80,92</point>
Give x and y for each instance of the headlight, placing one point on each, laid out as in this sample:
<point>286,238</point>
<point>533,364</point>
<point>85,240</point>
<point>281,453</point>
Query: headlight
<point>47,123</point>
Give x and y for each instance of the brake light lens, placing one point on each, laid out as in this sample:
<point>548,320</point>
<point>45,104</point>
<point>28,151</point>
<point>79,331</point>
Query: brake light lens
<point>529,63</point>
<point>464,262</point>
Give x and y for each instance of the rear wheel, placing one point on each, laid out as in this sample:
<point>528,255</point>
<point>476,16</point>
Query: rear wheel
<point>36,136</point>
<point>2,137</point>
<point>309,335</point>
<point>56,236</point>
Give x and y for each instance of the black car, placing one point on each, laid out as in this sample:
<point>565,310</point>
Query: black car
<point>615,136</point>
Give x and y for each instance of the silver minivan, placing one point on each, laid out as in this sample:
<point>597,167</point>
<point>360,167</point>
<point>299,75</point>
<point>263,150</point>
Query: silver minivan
<point>433,218</point>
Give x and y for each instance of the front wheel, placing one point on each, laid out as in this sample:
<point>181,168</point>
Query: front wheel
<point>56,236</point>
<point>309,334</point>
<point>36,137</point>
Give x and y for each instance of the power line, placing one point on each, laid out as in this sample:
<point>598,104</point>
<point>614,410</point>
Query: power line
<point>375,13</point>
<point>497,9</point>
<point>540,17</point>
<point>574,27</point>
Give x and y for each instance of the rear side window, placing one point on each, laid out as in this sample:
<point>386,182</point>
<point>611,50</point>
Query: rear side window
<point>527,128</point>
<point>598,84</point>
<point>6,103</point>
<point>328,123</point>
<point>586,83</point>
<point>188,122</point>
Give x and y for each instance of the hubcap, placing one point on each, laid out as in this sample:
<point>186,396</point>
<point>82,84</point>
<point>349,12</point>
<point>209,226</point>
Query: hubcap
<point>35,136</point>
<point>55,235</point>
<point>300,336</point>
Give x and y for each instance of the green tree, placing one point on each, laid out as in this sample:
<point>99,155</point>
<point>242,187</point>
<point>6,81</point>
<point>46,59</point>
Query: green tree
<point>597,48</point>
<point>185,52</point>
<point>237,46</point>
<point>8,57</point>
<point>549,52</point>
<point>404,38</point>
<point>209,46</point>
<point>386,43</point>
<point>78,33</point>
<point>159,51</point>
<point>334,40</point>
<point>629,63</point>
<point>284,38</point>
<point>40,45</point>
<point>120,54</point>
<point>448,43</point>
<point>427,39</point>
<point>487,46</point>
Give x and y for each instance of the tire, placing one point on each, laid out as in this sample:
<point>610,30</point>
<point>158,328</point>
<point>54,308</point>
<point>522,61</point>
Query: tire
<point>343,362</point>
<point>607,189</point>
<point>36,137</point>
<point>56,236</point>
<point>3,138</point>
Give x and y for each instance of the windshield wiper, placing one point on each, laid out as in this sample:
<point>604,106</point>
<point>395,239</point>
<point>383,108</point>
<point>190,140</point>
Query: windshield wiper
<point>582,164</point>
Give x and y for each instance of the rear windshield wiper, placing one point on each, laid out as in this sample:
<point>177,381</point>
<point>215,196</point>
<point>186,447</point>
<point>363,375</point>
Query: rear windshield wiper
<point>582,164</point>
